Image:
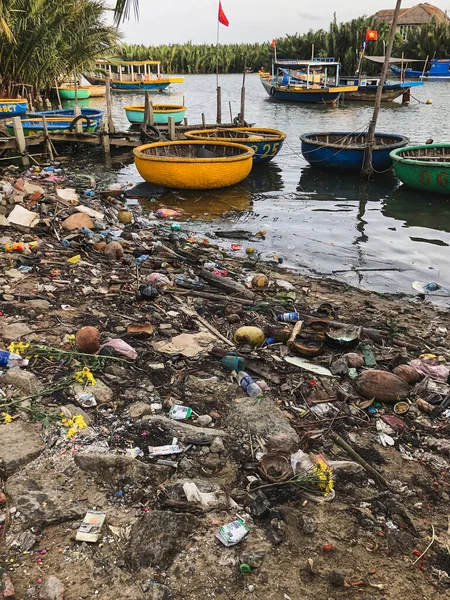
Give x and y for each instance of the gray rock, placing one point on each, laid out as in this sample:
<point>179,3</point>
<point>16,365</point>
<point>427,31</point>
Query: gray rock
<point>157,591</point>
<point>42,305</point>
<point>24,541</point>
<point>309,525</point>
<point>217,446</point>
<point>52,589</point>
<point>101,392</point>
<point>183,430</point>
<point>253,559</point>
<point>262,419</point>
<point>20,443</point>
<point>157,537</point>
<point>14,332</point>
<point>337,579</point>
<point>204,420</point>
<point>117,470</point>
<point>25,381</point>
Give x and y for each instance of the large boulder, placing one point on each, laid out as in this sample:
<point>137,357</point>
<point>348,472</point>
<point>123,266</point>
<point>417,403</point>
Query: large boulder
<point>20,443</point>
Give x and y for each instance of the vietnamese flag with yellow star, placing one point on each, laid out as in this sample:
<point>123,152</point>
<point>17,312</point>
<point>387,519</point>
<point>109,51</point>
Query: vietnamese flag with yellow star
<point>371,35</point>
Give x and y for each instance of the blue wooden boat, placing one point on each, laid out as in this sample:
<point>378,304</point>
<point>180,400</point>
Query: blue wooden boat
<point>10,107</point>
<point>54,124</point>
<point>439,69</point>
<point>131,76</point>
<point>305,81</point>
<point>94,114</point>
<point>265,142</point>
<point>345,150</point>
<point>367,89</point>
<point>161,113</point>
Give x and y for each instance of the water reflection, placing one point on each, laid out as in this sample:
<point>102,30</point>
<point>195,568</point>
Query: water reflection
<point>414,209</point>
<point>265,178</point>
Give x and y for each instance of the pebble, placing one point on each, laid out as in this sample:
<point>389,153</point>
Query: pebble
<point>217,446</point>
<point>204,420</point>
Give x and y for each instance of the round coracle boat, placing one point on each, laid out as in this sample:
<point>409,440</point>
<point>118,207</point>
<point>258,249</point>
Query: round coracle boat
<point>161,113</point>
<point>195,165</point>
<point>265,142</point>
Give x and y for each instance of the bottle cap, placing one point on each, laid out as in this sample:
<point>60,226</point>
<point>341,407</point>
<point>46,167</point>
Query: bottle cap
<point>245,569</point>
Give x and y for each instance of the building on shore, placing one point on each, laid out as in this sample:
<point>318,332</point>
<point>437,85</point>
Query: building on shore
<point>413,17</point>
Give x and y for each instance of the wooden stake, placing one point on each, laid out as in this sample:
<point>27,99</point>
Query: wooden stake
<point>151,116</point>
<point>203,120</point>
<point>367,169</point>
<point>231,112</point>
<point>111,128</point>
<point>242,106</point>
<point>57,94</point>
<point>219,106</point>
<point>146,110</point>
<point>48,142</point>
<point>171,128</point>
<point>20,140</point>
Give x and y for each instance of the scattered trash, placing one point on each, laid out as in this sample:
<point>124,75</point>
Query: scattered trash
<point>90,528</point>
<point>233,533</point>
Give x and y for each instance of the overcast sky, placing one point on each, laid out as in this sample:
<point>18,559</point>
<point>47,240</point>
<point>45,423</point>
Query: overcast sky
<point>178,21</point>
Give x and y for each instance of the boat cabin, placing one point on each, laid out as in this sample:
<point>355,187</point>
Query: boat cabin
<point>131,71</point>
<point>310,73</point>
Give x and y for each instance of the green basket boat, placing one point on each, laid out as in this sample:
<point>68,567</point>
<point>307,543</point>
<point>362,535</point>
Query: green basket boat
<point>425,168</point>
<point>68,92</point>
<point>161,113</point>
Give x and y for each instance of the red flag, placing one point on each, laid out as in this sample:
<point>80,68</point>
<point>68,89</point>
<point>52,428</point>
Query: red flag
<point>274,43</point>
<point>371,35</point>
<point>222,17</point>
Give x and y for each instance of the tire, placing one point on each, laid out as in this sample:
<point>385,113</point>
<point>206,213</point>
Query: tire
<point>141,84</point>
<point>79,118</point>
<point>150,134</point>
<point>272,92</point>
<point>238,123</point>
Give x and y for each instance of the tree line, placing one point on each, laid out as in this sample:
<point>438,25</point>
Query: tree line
<point>342,41</point>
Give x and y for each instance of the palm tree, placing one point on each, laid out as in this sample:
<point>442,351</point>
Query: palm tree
<point>124,8</point>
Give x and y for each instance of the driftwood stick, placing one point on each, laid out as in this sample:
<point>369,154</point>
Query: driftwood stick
<point>204,322</point>
<point>209,296</point>
<point>356,457</point>
<point>228,285</point>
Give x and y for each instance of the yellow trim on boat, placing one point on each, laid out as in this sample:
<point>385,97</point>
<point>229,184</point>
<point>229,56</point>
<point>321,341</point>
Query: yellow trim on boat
<point>13,100</point>
<point>157,108</point>
<point>193,173</point>
<point>275,135</point>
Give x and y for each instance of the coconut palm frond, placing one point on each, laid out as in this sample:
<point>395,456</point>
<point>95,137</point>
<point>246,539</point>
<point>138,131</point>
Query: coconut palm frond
<point>124,8</point>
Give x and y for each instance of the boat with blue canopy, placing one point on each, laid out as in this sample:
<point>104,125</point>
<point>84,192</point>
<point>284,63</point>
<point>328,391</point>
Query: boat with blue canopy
<point>318,87</point>
<point>439,69</point>
<point>345,150</point>
<point>367,89</point>
<point>12,107</point>
<point>131,76</point>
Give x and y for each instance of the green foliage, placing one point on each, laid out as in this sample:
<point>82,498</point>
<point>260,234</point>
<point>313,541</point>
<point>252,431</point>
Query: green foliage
<point>48,39</point>
<point>342,41</point>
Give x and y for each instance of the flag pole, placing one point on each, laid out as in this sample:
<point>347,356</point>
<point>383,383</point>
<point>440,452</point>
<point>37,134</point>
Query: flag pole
<point>219,91</point>
<point>217,55</point>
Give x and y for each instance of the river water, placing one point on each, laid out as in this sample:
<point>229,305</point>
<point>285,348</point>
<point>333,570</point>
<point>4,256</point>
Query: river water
<point>377,235</point>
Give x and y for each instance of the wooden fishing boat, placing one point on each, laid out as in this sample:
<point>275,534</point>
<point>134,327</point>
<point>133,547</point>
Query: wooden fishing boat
<point>131,76</point>
<point>425,167</point>
<point>67,92</point>
<point>93,114</point>
<point>318,87</point>
<point>97,91</point>
<point>439,69</point>
<point>54,124</point>
<point>345,150</point>
<point>265,142</point>
<point>161,113</point>
<point>193,165</point>
<point>367,89</point>
<point>12,107</point>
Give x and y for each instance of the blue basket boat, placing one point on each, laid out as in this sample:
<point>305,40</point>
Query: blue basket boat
<point>265,142</point>
<point>10,107</point>
<point>344,150</point>
<point>93,114</point>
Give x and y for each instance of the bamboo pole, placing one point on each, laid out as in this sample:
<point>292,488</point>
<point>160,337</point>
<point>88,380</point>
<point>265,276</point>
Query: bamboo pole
<point>111,128</point>
<point>151,116</point>
<point>367,169</point>
<point>219,105</point>
<point>57,95</point>
<point>48,142</point>
<point>77,109</point>
<point>146,110</point>
<point>171,128</point>
<point>203,120</point>
<point>242,115</point>
<point>231,112</point>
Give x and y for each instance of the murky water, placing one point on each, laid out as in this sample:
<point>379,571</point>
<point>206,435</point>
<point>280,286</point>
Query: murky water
<point>378,235</point>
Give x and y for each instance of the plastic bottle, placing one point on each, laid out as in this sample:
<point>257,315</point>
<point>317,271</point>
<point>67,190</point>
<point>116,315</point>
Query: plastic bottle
<point>289,317</point>
<point>142,259</point>
<point>248,385</point>
<point>9,360</point>
<point>87,232</point>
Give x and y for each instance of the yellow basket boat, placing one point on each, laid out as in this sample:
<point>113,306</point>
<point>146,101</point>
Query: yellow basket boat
<point>196,165</point>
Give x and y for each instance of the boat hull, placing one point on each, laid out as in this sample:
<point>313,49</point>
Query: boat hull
<point>266,143</point>
<point>54,125</point>
<point>97,91</point>
<point>69,93</point>
<point>136,86</point>
<point>93,114</point>
<point>332,155</point>
<point>309,96</point>
<point>10,107</point>
<point>390,92</point>
<point>420,174</point>
<point>193,173</point>
<point>135,114</point>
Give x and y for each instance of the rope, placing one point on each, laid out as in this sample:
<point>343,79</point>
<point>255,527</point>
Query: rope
<point>417,99</point>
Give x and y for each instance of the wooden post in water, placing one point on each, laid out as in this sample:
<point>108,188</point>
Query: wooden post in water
<point>367,169</point>
<point>77,109</point>
<point>231,112</point>
<point>151,116</point>
<point>57,94</point>
<point>242,117</point>
<point>146,111</point>
<point>171,128</point>
<point>219,105</point>
<point>48,142</point>
<point>111,128</point>
<point>20,140</point>
<point>203,120</point>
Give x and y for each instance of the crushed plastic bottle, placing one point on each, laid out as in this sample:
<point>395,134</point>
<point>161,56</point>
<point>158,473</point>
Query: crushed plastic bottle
<point>249,385</point>
<point>10,360</point>
<point>289,317</point>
